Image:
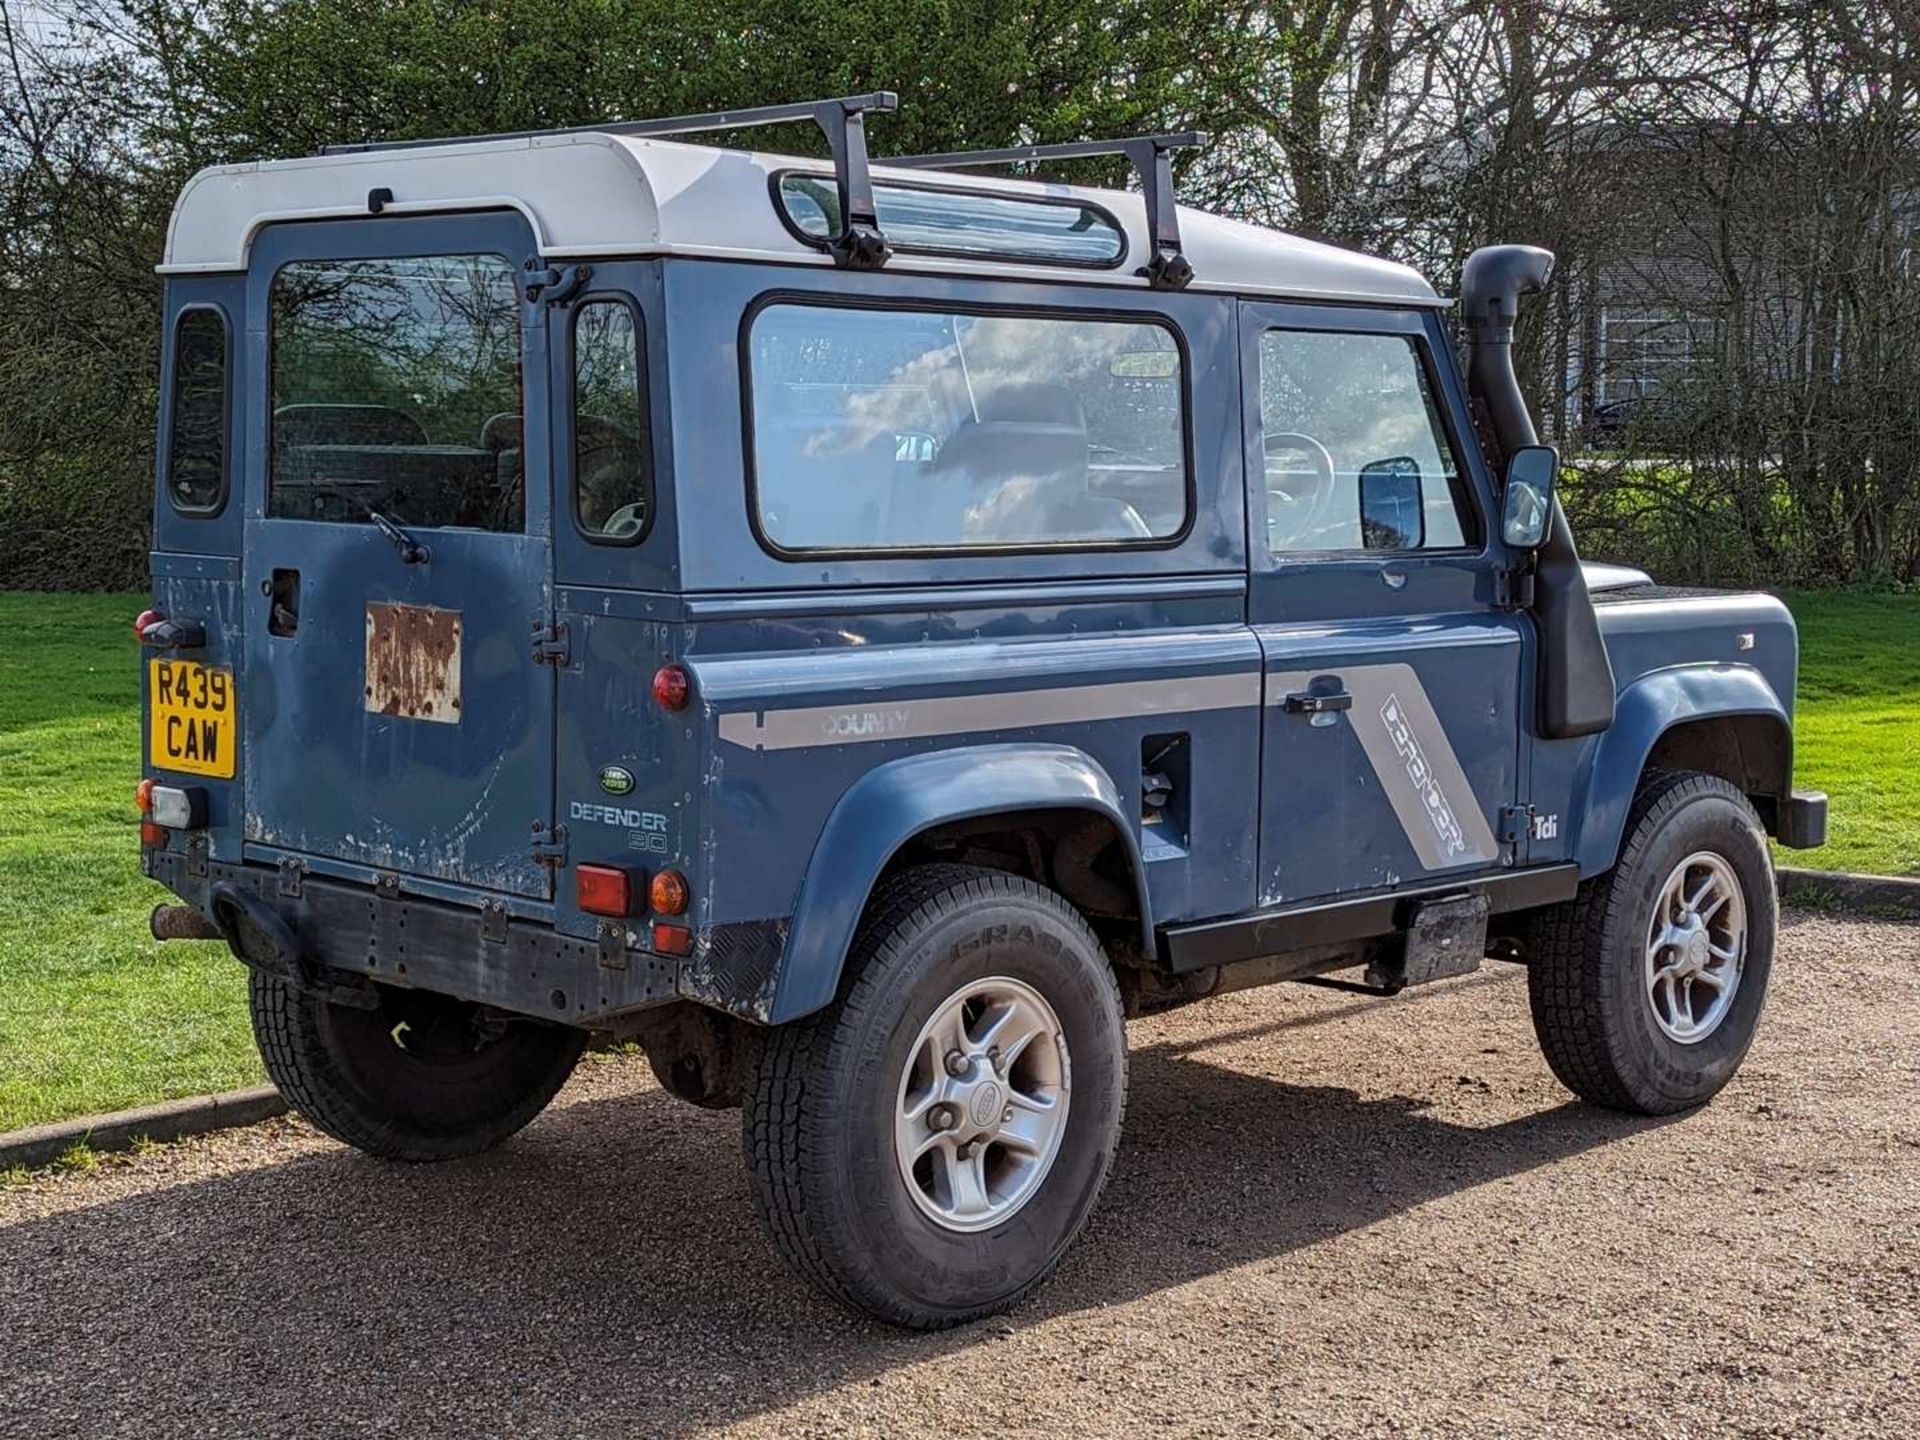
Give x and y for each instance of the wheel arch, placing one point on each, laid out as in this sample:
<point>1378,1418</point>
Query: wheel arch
<point>905,803</point>
<point>1724,720</point>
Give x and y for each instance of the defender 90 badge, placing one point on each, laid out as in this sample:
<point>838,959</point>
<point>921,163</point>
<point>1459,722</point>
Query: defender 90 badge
<point>616,780</point>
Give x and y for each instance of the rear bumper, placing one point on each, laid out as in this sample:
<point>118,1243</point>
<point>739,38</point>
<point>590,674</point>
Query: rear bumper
<point>1803,820</point>
<point>513,964</point>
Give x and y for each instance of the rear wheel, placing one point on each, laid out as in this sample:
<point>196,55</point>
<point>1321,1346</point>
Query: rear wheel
<point>418,1077</point>
<point>1647,988</point>
<point>927,1147</point>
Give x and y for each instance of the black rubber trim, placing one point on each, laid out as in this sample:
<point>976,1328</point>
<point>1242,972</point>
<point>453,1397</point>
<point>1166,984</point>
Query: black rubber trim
<point>1802,820</point>
<point>1360,917</point>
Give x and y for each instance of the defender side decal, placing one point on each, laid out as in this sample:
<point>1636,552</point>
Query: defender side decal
<point>1407,748</point>
<point>817,725</point>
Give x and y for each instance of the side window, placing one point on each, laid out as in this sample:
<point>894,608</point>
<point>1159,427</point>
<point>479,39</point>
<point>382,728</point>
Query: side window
<point>197,431</point>
<point>612,462</point>
<point>1356,455</point>
<point>916,430</point>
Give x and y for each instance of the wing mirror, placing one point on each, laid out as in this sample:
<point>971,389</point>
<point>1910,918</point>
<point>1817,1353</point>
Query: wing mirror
<point>1528,507</point>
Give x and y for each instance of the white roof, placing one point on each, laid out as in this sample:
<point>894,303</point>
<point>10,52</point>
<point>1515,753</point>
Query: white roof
<point>589,194</point>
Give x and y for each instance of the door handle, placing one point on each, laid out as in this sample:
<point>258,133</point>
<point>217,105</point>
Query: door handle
<point>1305,703</point>
<point>283,602</point>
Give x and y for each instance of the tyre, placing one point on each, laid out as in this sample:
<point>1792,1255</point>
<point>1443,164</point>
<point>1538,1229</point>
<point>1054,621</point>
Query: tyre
<point>1647,987</point>
<point>928,1147</point>
<point>420,1077</point>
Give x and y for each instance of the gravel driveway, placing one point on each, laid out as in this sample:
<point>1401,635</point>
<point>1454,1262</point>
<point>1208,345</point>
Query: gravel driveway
<point>1332,1216</point>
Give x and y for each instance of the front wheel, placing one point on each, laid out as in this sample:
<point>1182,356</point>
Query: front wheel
<point>927,1147</point>
<point>417,1076</point>
<point>1647,988</point>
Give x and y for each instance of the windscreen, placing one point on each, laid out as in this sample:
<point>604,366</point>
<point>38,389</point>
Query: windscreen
<point>396,391</point>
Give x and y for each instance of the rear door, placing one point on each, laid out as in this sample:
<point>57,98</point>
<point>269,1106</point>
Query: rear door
<point>398,555</point>
<point>1390,730</point>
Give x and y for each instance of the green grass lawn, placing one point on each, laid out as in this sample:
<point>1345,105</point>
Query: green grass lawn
<point>95,1015</point>
<point>1857,731</point>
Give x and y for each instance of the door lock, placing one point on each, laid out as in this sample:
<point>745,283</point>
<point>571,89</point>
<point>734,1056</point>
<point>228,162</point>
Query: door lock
<point>1306,703</point>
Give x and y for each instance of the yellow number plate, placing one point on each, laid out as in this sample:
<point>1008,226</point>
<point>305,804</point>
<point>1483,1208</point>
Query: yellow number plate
<point>193,722</point>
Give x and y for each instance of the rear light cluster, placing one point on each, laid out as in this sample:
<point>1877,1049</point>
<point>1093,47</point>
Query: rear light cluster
<point>606,889</point>
<point>667,895</point>
<point>166,808</point>
<point>152,833</point>
<point>622,891</point>
<point>672,687</point>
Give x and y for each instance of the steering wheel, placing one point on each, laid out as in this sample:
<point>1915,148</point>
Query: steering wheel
<point>1292,516</point>
<point>626,522</point>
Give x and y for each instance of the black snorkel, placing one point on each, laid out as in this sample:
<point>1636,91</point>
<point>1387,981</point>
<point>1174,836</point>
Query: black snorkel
<point>1574,676</point>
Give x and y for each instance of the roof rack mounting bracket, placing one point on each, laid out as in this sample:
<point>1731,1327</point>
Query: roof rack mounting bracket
<point>1167,268</point>
<point>860,245</point>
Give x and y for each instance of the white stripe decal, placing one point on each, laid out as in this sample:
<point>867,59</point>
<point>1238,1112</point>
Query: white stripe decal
<point>1411,757</point>
<point>817,725</point>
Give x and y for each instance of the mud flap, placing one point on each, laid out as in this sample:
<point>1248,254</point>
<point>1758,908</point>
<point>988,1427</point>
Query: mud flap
<point>1444,938</point>
<point>260,936</point>
<point>255,932</point>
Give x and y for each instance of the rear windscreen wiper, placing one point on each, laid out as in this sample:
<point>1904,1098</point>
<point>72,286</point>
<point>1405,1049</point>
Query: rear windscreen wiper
<point>411,551</point>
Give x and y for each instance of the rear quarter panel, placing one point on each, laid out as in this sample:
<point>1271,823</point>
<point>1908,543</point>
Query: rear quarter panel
<point>796,710</point>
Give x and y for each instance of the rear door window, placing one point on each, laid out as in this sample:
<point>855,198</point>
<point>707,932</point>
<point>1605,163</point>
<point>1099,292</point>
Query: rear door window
<point>612,465</point>
<point>920,430</point>
<point>396,390</point>
<point>198,429</point>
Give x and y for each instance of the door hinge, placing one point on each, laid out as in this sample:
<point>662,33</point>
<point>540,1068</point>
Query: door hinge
<point>493,922</point>
<point>1513,588</point>
<point>1516,823</point>
<point>550,645</point>
<point>549,844</point>
<point>553,284</point>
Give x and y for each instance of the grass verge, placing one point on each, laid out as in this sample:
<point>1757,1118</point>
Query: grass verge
<point>95,1015</point>
<point>1857,730</point>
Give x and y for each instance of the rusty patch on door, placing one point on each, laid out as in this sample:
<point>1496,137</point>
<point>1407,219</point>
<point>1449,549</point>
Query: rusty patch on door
<point>413,663</point>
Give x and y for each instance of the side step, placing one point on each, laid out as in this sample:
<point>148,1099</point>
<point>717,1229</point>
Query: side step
<point>1226,941</point>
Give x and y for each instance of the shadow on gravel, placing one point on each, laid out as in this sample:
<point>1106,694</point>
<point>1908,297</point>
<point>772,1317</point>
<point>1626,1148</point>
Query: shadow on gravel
<point>604,1274</point>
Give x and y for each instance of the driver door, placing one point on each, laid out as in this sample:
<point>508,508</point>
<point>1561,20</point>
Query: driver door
<point>1390,729</point>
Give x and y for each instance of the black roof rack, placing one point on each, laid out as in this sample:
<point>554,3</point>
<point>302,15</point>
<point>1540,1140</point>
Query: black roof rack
<point>1168,269</point>
<point>858,246</point>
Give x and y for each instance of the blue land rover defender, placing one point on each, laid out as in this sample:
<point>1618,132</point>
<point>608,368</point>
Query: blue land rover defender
<point>862,630</point>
